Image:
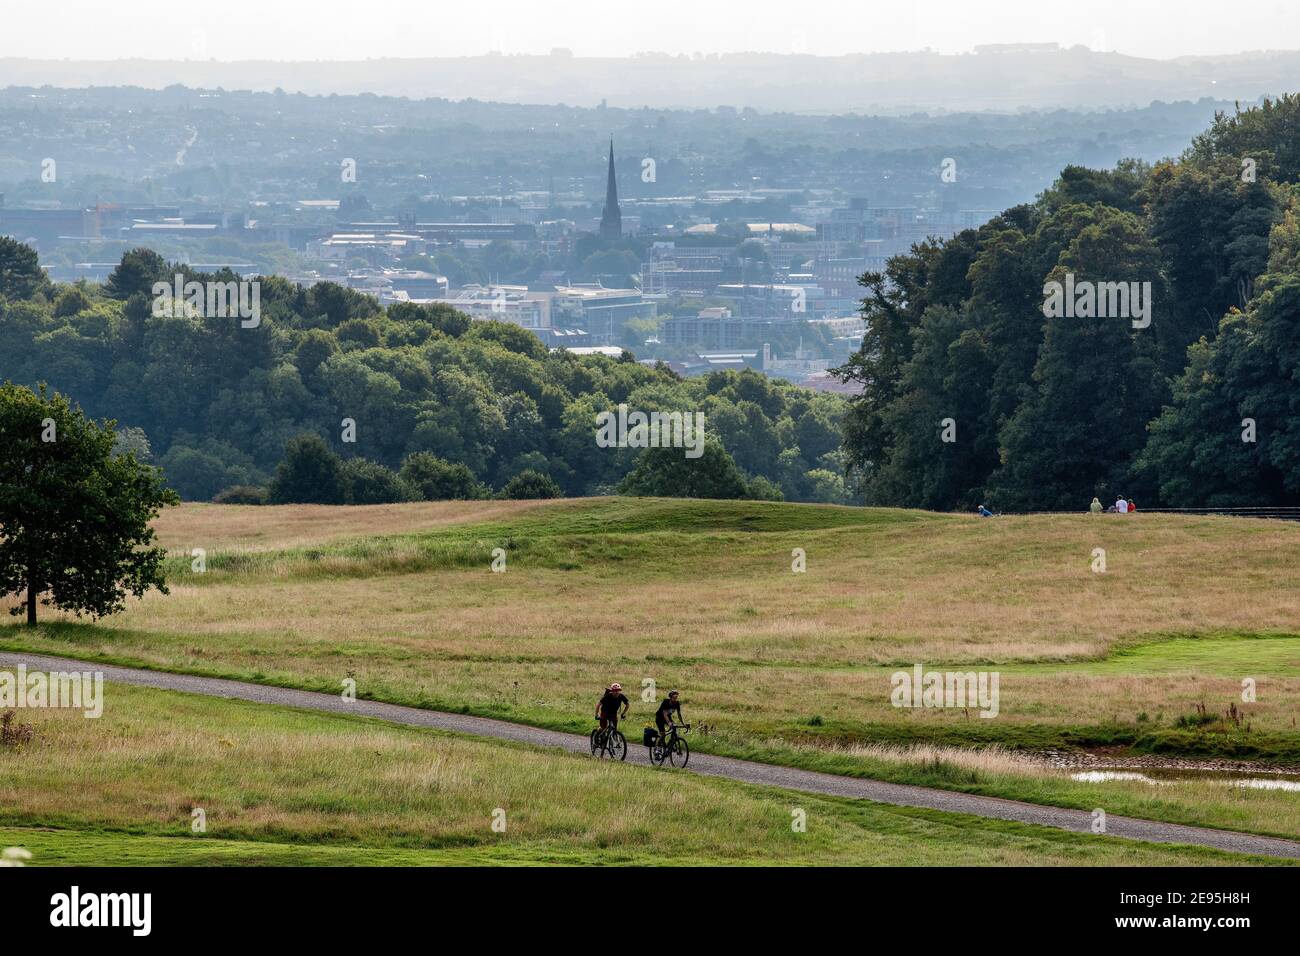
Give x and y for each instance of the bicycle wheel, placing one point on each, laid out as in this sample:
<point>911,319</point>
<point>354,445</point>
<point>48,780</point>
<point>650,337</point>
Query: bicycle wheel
<point>680,753</point>
<point>595,740</point>
<point>657,753</point>
<point>616,745</point>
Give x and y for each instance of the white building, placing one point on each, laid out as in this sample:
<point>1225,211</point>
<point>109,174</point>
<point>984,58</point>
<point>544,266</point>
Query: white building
<point>504,303</point>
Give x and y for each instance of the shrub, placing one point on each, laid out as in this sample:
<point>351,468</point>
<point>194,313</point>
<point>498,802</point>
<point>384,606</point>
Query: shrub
<point>13,734</point>
<point>309,474</point>
<point>668,473</point>
<point>439,480</point>
<point>531,484</point>
<point>761,488</point>
<point>241,495</point>
<point>370,483</point>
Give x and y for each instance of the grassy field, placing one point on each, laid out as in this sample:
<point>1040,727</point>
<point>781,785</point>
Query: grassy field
<point>780,666</point>
<point>279,786</point>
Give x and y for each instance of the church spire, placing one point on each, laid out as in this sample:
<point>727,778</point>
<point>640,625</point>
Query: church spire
<point>611,220</point>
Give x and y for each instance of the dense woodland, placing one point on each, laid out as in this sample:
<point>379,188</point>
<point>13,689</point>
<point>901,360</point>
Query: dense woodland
<point>1197,409</point>
<point>216,404</point>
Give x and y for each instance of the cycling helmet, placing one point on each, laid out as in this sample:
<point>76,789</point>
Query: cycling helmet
<point>616,687</point>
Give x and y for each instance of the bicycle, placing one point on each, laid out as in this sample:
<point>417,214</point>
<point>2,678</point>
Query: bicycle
<point>671,746</point>
<point>609,742</point>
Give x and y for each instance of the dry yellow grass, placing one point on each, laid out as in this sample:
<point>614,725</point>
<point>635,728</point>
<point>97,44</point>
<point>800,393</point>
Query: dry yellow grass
<point>755,648</point>
<point>1012,589</point>
<point>782,666</point>
<point>253,528</point>
<point>268,774</point>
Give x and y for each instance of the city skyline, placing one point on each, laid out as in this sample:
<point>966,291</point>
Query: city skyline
<point>81,29</point>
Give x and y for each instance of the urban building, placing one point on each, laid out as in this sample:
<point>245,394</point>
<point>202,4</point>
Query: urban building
<point>504,303</point>
<point>611,219</point>
<point>602,312</point>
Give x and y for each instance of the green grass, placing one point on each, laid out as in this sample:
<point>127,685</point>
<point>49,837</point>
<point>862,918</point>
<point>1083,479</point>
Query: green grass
<point>791,668</point>
<point>286,787</point>
<point>1221,655</point>
<point>568,536</point>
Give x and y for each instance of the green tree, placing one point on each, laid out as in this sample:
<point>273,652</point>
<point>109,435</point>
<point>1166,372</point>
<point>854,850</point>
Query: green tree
<point>510,336</point>
<point>668,473</point>
<point>309,474</point>
<point>895,301</point>
<point>74,516</point>
<point>760,488</point>
<point>71,301</point>
<point>198,473</point>
<point>136,274</point>
<point>945,441</point>
<point>439,480</point>
<point>1230,436</point>
<point>21,275</point>
<point>370,483</point>
<point>1213,232</point>
<point>135,441</point>
<point>1098,384</point>
<point>827,486</point>
<point>1120,188</point>
<point>531,484</point>
<point>1268,133</point>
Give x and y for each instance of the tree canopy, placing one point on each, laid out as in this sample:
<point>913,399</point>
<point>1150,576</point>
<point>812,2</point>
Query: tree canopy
<point>973,392</point>
<point>75,513</point>
<point>218,404</point>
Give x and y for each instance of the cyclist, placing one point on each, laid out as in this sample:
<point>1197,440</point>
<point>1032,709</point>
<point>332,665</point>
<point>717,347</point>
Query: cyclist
<point>607,709</point>
<point>666,708</point>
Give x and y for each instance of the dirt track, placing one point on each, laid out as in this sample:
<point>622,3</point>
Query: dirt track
<point>1079,821</point>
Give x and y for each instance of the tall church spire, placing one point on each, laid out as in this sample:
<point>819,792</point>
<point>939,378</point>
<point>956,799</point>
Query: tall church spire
<point>611,220</point>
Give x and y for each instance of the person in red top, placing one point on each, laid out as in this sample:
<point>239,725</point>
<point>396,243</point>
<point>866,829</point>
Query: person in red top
<point>1132,507</point>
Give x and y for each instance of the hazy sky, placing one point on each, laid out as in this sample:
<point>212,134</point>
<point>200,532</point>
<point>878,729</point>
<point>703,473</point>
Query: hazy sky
<point>358,29</point>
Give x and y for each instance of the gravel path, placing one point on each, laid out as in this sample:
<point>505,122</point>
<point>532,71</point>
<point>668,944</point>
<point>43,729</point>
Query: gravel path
<point>1079,821</point>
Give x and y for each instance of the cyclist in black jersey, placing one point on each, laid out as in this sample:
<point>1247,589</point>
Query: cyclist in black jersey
<point>665,711</point>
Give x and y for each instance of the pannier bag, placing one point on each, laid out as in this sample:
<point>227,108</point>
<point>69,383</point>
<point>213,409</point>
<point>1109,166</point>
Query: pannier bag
<point>649,737</point>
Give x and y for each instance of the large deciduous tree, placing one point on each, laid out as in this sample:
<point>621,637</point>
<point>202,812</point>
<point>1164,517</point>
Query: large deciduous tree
<point>74,513</point>
<point>309,474</point>
<point>668,473</point>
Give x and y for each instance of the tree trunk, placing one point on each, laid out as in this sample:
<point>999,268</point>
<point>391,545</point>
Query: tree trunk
<point>31,604</point>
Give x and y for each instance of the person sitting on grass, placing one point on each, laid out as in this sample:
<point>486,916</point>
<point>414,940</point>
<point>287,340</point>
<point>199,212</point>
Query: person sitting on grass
<point>1095,507</point>
<point>984,512</point>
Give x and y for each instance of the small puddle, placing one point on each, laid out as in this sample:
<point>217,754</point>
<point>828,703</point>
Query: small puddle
<point>1102,776</point>
<point>1156,778</point>
<point>1268,784</point>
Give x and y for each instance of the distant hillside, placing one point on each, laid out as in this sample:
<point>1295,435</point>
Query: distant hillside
<point>887,82</point>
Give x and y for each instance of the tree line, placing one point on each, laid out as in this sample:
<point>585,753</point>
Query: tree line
<point>404,402</point>
<point>972,394</point>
